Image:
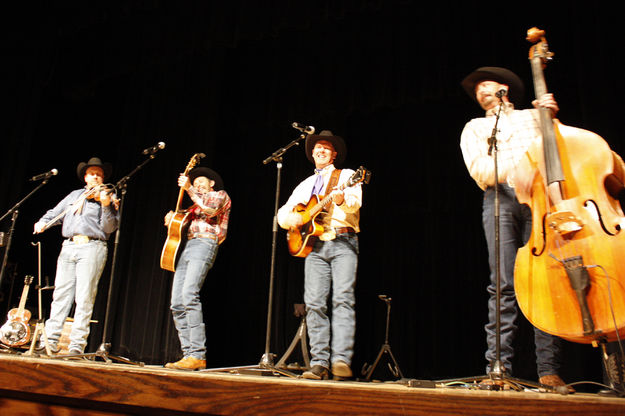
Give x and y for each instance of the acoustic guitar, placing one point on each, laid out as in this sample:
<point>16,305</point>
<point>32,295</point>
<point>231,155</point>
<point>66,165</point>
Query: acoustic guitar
<point>16,331</point>
<point>300,240</point>
<point>177,225</point>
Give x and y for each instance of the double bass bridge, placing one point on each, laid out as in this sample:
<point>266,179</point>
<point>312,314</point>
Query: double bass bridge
<point>565,223</point>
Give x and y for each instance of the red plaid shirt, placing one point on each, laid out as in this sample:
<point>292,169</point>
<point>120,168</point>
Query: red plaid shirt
<point>201,221</point>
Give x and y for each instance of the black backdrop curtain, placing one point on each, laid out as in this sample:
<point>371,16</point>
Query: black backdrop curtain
<point>227,79</point>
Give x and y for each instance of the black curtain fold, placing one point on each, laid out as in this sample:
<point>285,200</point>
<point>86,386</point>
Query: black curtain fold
<point>227,80</point>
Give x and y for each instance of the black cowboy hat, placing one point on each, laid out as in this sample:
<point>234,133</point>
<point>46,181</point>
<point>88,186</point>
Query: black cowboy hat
<point>495,73</point>
<point>210,174</point>
<point>337,142</point>
<point>94,161</point>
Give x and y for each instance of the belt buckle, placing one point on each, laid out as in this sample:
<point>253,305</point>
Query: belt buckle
<point>80,239</point>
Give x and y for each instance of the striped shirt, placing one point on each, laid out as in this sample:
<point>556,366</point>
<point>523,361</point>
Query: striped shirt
<point>516,131</point>
<point>205,223</point>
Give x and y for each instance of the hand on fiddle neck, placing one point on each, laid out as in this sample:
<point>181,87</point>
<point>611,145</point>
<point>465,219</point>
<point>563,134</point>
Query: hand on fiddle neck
<point>547,101</point>
<point>105,198</point>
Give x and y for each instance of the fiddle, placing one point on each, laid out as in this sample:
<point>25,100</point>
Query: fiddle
<point>95,192</point>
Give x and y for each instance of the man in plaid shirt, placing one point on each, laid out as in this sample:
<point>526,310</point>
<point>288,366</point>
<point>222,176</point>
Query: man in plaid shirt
<point>208,226</point>
<point>516,131</point>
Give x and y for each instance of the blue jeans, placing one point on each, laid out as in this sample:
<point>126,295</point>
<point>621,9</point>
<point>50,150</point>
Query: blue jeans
<point>195,261</point>
<point>515,222</point>
<point>78,271</point>
<point>331,266</point>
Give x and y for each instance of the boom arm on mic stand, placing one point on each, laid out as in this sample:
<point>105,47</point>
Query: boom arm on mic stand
<point>14,211</point>
<point>277,155</point>
<point>153,149</point>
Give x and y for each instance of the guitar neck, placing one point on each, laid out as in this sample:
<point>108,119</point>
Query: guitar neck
<point>321,204</point>
<point>182,190</point>
<point>179,203</point>
<point>22,304</point>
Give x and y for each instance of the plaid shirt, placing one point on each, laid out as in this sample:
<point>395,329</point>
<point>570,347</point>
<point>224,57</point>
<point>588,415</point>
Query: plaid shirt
<point>516,131</point>
<point>201,222</point>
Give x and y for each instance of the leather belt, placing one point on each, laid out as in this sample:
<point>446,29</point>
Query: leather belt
<point>344,230</point>
<point>82,239</point>
<point>203,235</point>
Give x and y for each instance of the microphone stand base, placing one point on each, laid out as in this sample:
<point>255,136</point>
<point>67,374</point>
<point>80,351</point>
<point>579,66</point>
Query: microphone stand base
<point>103,353</point>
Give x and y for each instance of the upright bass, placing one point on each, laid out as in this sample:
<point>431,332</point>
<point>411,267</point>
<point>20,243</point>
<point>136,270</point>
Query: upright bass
<point>569,277</point>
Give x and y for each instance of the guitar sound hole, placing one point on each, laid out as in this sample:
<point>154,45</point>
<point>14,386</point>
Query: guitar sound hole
<point>14,333</point>
<point>307,228</point>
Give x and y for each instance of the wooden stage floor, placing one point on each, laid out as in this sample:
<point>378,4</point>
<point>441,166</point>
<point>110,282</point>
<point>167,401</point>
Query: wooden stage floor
<point>36,386</point>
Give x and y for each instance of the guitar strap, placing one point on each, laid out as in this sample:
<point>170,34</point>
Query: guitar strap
<point>334,179</point>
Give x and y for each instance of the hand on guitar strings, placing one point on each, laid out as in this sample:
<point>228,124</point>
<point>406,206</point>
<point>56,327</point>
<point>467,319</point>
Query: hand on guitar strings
<point>294,220</point>
<point>338,197</point>
<point>168,218</point>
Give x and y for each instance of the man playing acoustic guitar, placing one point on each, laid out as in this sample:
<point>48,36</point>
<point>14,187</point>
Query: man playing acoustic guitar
<point>333,259</point>
<point>208,225</point>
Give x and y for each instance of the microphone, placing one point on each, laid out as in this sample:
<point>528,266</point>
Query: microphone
<point>44,175</point>
<point>153,149</point>
<point>502,92</point>
<point>303,128</point>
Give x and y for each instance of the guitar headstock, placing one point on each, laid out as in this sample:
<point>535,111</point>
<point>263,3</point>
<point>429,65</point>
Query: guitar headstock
<point>541,48</point>
<point>195,159</point>
<point>28,280</point>
<point>361,175</point>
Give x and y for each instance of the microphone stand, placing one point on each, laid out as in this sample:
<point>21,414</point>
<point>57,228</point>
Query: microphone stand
<point>14,211</point>
<point>267,360</point>
<point>497,370</point>
<point>497,375</point>
<point>103,350</point>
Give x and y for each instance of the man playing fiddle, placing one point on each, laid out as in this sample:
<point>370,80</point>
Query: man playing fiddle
<point>87,224</point>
